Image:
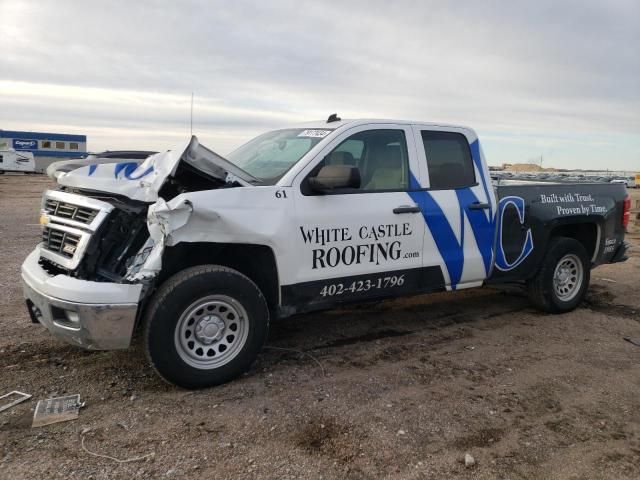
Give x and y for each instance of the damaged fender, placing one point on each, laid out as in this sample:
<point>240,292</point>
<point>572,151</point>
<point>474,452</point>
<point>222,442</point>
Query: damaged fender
<point>229,215</point>
<point>163,218</point>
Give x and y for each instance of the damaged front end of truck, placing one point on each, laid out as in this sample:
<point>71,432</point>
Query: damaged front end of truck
<point>105,229</point>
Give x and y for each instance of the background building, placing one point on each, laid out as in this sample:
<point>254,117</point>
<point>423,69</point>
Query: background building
<point>46,147</point>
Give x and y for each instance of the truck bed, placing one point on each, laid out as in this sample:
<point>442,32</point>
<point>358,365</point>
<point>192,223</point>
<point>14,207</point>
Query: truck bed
<point>530,213</point>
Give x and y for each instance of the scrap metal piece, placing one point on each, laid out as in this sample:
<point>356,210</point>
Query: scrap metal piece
<point>21,398</point>
<point>632,341</point>
<point>57,409</point>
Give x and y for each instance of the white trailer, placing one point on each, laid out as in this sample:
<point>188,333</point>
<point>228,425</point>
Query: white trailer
<point>14,161</point>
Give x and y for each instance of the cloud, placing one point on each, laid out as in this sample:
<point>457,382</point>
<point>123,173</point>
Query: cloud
<point>521,72</point>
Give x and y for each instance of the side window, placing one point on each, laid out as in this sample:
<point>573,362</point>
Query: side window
<point>60,145</point>
<point>448,160</point>
<point>46,144</point>
<point>380,155</point>
<point>348,152</point>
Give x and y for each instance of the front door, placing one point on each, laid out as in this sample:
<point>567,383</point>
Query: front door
<point>358,243</point>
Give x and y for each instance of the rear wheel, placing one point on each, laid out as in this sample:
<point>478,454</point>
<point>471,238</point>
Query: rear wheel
<point>563,279</point>
<point>205,326</point>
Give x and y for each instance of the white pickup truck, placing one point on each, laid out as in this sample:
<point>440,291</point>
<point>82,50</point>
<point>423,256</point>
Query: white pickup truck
<point>201,252</point>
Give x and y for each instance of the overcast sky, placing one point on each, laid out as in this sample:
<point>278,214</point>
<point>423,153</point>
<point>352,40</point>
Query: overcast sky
<point>546,78</point>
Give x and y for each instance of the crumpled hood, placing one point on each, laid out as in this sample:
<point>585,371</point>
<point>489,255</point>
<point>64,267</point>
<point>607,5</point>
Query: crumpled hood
<point>143,181</point>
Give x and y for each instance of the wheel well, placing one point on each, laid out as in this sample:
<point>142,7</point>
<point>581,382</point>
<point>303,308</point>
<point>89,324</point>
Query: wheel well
<point>255,261</point>
<point>585,233</point>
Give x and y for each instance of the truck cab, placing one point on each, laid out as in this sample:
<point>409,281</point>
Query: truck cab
<point>202,252</point>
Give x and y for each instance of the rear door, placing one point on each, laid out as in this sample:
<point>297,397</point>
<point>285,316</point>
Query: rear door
<point>358,243</point>
<point>458,205</point>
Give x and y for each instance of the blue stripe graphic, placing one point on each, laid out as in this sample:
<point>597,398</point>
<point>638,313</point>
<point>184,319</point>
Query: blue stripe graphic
<point>483,227</point>
<point>444,236</point>
<point>129,168</point>
<point>475,155</point>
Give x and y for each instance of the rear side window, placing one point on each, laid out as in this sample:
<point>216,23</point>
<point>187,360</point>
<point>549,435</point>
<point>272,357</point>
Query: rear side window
<point>448,160</point>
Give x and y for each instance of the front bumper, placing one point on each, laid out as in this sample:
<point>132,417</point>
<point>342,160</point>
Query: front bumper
<point>92,315</point>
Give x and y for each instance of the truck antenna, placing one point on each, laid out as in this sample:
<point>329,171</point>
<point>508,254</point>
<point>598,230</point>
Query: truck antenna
<point>333,118</point>
<point>191,123</point>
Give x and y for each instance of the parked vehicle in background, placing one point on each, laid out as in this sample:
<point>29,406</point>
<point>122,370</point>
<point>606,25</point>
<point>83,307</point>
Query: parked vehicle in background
<point>202,252</point>
<point>629,182</point>
<point>16,161</point>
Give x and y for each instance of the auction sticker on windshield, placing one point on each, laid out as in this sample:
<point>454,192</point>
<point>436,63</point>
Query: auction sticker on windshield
<point>314,133</point>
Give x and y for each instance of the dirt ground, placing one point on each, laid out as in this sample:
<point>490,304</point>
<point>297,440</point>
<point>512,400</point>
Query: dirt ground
<point>399,389</point>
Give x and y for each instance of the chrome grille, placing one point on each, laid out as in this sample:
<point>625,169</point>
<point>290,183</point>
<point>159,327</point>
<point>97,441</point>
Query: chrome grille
<point>69,220</point>
<point>69,211</point>
<point>60,242</point>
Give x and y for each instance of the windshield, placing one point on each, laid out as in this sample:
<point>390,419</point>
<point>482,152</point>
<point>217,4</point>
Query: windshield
<point>270,155</point>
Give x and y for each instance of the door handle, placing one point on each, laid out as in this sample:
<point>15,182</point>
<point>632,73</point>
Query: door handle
<point>406,209</point>
<point>479,206</point>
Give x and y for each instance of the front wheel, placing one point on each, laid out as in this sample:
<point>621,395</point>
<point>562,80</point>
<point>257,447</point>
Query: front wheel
<point>205,326</point>
<point>563,279</point>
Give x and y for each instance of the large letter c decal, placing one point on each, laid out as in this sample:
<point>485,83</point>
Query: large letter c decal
<point>501,259</point>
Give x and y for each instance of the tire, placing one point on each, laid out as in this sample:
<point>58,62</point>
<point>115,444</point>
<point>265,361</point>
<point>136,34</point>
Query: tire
<point>562,281</point>
<point>205,326</point>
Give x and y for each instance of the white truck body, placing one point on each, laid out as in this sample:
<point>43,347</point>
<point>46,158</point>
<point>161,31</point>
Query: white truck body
<point>255,215</point>
<point>399,223</point>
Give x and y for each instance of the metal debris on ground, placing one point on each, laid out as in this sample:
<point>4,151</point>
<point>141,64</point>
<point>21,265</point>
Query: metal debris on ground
<point>469,461</point>
<point>632,341</point>
<point>57,409</point>
<point>109,457</point>
<point>14,398</point>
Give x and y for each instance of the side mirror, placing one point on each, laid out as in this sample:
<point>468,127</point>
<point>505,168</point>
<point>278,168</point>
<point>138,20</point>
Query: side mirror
<point>331,177</point>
